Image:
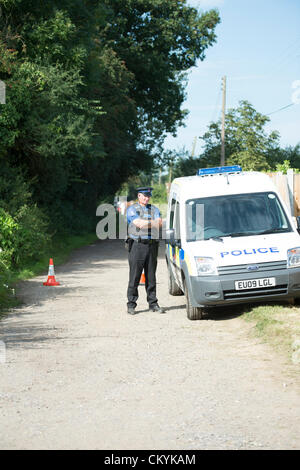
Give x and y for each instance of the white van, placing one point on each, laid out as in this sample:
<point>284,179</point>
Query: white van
<point>230,239</point>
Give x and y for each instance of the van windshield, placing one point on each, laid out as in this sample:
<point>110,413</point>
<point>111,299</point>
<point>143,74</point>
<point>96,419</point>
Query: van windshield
<point>235,216</point>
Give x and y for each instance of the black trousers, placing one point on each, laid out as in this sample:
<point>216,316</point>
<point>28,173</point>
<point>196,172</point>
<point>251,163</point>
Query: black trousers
<point>142,257</point>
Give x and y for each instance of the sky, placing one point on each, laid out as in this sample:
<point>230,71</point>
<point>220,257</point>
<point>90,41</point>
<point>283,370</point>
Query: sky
<point>258,50</point>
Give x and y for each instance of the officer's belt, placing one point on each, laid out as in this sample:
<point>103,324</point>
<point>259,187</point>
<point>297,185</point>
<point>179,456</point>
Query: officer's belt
<point>146,241</point>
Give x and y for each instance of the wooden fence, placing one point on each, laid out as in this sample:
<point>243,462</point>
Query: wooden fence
<point>289,189</point>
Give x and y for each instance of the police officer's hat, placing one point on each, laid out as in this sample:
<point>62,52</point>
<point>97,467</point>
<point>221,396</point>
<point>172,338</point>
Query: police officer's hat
<point>147,191</point>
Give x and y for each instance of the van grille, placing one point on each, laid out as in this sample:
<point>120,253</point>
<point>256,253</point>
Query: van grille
<point>242,268</point>
<point>250,293</point>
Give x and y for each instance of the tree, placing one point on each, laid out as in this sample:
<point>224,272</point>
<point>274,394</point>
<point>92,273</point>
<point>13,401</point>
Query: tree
<point>93,86</point>
<point>289,157</point>
<point>247,142</point>
<point>159,40</point>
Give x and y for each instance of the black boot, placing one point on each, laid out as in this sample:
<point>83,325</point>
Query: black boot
<point>157,308</point>
<point>131,311</point>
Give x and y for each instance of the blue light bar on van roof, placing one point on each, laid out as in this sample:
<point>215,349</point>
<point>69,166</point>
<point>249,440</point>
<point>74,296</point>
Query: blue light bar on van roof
<point>219,169</point>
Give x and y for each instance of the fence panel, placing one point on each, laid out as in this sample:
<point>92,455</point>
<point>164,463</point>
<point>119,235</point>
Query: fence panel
<point>296,195</point>
<point>281,182</point>
<point>289,189</point>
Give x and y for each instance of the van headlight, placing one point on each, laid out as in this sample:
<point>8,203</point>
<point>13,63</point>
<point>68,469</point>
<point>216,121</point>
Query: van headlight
<point>293,258</point>
<point>205,266</point>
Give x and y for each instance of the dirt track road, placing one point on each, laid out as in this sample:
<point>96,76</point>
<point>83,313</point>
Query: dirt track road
<point>82,374</point>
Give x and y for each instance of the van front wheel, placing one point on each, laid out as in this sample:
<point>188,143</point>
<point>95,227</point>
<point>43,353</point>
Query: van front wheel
<point>174,289</point>
<point>193,313</point>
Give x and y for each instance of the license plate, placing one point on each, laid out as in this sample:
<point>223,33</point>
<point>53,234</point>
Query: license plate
<point>255,283</point>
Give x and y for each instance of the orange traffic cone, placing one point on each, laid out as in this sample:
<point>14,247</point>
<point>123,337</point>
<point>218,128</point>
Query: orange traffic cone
<point>143,279</point>
<point>51,281</point>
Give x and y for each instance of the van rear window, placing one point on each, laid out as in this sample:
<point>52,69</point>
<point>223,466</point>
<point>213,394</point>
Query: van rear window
<point>235,215</point>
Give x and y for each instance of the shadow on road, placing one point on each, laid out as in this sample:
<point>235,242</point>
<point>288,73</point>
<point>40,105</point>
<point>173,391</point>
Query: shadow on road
<point>233,311</point>
<point>101,256</point>
<point>217,313</point>
<point>17,332</point>
<point>229,312</point>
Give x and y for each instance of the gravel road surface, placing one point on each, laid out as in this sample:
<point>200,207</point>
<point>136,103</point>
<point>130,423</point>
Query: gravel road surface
<point>80,373</point>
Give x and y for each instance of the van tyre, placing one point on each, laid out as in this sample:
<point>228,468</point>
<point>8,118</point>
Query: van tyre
<point>193,313</point>
<point>174,289</point>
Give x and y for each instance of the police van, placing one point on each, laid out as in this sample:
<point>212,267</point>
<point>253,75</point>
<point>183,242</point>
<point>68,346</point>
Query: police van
<point>230,239</point>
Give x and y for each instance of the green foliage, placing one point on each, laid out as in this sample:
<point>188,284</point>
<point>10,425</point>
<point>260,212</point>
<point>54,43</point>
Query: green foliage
<point>159,41</point>
<point>30,238</point>
<point>249,160</point>
<point>92,88</point>
<point>159,194</point>
<point>22,237</point>
<point>288,158</point>
<point>285,166</point>
<point>8,229</point>
<point>6,292</point>
<point>23,226</point>
<point>14,190</point>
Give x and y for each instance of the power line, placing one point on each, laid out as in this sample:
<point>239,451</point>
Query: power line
<point>286,56</point>
<point>281,109</point>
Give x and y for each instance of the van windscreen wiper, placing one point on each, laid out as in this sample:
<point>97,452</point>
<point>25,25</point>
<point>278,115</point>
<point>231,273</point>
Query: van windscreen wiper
<point>239,234</point>
<point>263,232</point>
<point>217,239</point>
<point>274,230</point>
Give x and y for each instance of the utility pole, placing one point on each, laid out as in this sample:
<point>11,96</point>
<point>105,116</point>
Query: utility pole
<point>170,172</point>
<point>2,92</point>
<point>194,147</point>
<point>223,122</point>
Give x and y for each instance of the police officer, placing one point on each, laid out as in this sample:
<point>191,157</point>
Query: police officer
<point>144,221</point>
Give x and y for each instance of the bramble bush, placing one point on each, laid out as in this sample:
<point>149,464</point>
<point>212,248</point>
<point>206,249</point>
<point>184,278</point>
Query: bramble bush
<point>5,275</point>
<point>8,229</point>
<point>31,236</point>
<point>23,226</point>
<point>23,237</point>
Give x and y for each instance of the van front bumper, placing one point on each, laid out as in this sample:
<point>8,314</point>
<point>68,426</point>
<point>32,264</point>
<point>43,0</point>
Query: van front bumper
<point>220,290</point>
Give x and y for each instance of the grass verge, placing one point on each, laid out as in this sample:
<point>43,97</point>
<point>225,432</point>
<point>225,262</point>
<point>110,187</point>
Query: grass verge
<point>279,325</point>
<point>60,249</point>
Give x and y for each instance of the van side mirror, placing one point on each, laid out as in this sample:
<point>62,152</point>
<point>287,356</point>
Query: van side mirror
<point>298,224</point>
<point>170,236</point>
